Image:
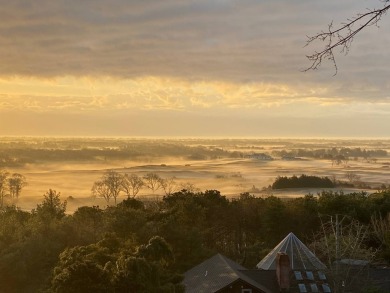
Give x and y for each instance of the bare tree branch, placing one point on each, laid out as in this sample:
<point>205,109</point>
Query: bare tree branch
<point>342,37</point>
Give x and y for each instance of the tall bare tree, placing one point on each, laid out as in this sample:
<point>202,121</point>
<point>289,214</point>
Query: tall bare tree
<point>153,181</point>
<point>169,185</point>
<point>114,181</point>
<point>190,187</point>
<point>132,184</point>
<point>109,186</point>
<point>352,177</point>
<point>381,231</point>
<point>100,189</point>
<point>15,184</point>
<point>3,186</point>
<point>341,244</point>
<point>341,37</point>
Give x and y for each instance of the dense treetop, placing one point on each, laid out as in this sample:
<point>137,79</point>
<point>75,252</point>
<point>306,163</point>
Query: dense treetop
<point>303,181</point>
<point>123,247</point>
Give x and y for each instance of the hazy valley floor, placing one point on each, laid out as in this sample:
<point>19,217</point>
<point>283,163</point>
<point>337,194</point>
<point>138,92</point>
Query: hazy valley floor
<point>230,176</point>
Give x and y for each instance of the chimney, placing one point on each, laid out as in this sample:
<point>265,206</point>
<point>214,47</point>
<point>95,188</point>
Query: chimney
<point>283,271</point>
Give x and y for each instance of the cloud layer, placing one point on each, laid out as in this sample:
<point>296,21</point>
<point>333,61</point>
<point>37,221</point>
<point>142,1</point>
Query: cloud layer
<point>201,39</point>
<point>243,57</point>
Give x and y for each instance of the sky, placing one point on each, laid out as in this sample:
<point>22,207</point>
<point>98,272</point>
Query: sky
<point>210,68</point>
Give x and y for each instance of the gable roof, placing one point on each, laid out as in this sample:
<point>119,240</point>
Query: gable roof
<point>301,258</point>
<point>216,273</point>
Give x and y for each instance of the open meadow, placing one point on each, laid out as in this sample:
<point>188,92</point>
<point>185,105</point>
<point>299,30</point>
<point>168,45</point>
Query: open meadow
<point>232,166</point>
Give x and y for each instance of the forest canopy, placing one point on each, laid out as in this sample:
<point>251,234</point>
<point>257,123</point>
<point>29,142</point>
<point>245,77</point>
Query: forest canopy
<point>52,251</point>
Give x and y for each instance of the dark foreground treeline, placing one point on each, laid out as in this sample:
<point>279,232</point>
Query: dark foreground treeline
<point>145,247</point>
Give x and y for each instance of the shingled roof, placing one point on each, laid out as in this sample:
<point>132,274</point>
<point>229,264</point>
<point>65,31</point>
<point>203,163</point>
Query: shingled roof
<point>301,258</point>
<point>215,274</point>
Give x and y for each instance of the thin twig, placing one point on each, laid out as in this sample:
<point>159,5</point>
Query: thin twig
<point>342,37</point>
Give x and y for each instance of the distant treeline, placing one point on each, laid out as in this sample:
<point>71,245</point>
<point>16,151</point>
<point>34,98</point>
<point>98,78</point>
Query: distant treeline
<point>332,153</point>
<point>20,151</point>
<point>20,155</point>
<point>303,181</point>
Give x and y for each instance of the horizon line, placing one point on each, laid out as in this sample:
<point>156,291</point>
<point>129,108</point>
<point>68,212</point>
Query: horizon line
<point>208,137</point>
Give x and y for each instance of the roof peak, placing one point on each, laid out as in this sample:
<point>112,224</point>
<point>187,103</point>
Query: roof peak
<point>301,258</point>
<point>216,273</point>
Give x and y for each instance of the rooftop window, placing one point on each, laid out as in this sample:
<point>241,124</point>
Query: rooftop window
<point>298,275</point>
<point>314,288</point>
<point>309,275</point>
<point>322,276</point>
<point>302,288</point>
<point>326,288</point>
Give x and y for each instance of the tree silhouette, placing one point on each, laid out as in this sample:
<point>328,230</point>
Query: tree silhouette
<point>3,186</point>
<point>100,189</point>
<point>132,184</point>
<point>15,184</point>
<point>341,37</point>
<point>157,250</point>
<point>109,186</point>
<point>169,185</point>
<point>51,208</point>
<point>153,181</point>
<point>341,242</point>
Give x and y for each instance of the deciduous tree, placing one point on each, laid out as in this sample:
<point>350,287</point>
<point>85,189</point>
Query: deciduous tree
<point>81,269</point>
<point>100,189</point>
<point>157,250</point>
<point>114,182</point>
<point>153,181</point>
<point>52,207</point>
<point>381,231</point>
<point>341,37</point>
<point>3,186</point>
<point>15,184</point>
<point>352,177</point>
<point>340,243</point>
<point>109,186</point>
<point>88,222</point>
<point>169,185</point>
<point>132,184</point>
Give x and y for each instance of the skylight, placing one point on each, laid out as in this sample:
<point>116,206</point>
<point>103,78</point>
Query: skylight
<point>302,288</point>
<point>314,288</point>
<point>309,275</point>
<point>326,288</point>
<point>298,275</point>
<point>321,275</point>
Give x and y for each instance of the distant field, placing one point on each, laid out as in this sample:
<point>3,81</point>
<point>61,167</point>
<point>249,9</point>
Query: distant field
<point>226,173</point>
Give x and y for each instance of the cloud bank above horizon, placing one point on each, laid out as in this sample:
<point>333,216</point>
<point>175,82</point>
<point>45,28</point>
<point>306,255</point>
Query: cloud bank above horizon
<point>192,63</point>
